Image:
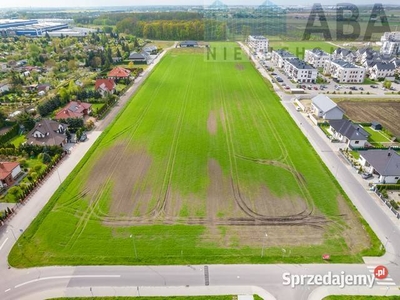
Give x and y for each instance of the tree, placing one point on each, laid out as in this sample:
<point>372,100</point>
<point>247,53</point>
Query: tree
<point>79,133</point>
<point>72,65</point>
<point>131,65</point>
<point>68,134</point>
<point>387,84</point>
<point>26,120</point>
<point>64,94</point>
<point>72,88</point>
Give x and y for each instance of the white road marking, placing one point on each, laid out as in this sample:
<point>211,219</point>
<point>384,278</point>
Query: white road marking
<point>67,277</point>
<point>2,245</point>
<point>7,290</point>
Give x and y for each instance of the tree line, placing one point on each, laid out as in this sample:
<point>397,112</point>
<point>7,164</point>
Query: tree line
<point>174,29</point>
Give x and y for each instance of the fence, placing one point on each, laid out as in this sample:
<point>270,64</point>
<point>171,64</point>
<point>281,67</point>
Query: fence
<point>387,202</point>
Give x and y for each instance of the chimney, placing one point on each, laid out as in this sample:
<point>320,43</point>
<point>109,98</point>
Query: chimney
<point>79,102</point>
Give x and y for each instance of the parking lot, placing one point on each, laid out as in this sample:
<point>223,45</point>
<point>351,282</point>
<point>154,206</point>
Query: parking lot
<point>331,87</point>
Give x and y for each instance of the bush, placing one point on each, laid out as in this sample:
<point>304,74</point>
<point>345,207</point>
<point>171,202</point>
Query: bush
<point>394,204</point>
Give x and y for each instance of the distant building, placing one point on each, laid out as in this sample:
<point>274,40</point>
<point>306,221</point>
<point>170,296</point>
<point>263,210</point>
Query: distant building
<point>300,71</point>
<point>139,58</point>
<point>382,70</point>
<point>324,107</point>
<point>105,86</point>
<point>316,57</point>
<point>74,109</point>
<point>386,163</point>
<point>347,132</point>
<point>119,73</point>
<point>9,172</point>
<point>47,132</point>
<point>344,54</point>
<point>151,50</point>
<point>390,43</point>
<point>258,43</point>
<point>189,44</point>
<point>344,72</point>
<point>279,56</point>
<point>4,87</point>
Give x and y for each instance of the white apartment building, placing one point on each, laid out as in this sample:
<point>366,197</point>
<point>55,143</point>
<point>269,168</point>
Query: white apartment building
<point>258,43</point>
<point>390,43</point>
<point>316,57</point>
<point>300,71</point>
<point>278,57</point>
<point>344,72</point>
<point>382,70</point>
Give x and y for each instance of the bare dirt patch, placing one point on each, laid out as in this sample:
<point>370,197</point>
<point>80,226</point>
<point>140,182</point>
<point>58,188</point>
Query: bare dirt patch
<point>239,66</point>
<point>220,197</point>
<point>125,171</point>
<point>255,236</point>
<point>355,236</point>
<point>387,113</point>
<point>212,123</point>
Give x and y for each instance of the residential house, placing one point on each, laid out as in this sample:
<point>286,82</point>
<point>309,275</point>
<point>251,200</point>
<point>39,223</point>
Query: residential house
<point>344,72</point>
<point>382,70</point>
<point>116,59</point>
<point>385,163</point>
<point>344,54</point>
<point>316,57</point>
<point>139,58</point>
<point>390,43</point>
<point>105,86</point>
<point>4,87</point>
<point>258,43</point>
<point>376,125</point>
<point>49,133</point>
<point>300,71</point>
<point>119,73</point>
<point>74,109</point>
<point>189,44</point>
<point>278,57</point>
<point>151,50</point>
<point>43,87</point>
<point>9,172</point>
<point>324,107</point>
<point>347,132</point>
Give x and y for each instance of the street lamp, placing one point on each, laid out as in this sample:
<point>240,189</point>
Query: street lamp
<point>262,249</point>
<point>134,245</point>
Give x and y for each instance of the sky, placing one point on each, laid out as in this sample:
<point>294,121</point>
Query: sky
<point>97,3</point>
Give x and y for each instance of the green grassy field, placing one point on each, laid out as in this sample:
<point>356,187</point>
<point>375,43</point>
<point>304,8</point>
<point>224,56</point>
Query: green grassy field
<point>298,48</point>
<point>201,164</point>
<point>18,140</point>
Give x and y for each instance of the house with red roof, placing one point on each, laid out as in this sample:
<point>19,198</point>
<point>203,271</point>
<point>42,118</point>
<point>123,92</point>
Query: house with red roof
<point>105,86</point>
<point>119,73</point>
<point>9,172</point>
<point>74,109</point>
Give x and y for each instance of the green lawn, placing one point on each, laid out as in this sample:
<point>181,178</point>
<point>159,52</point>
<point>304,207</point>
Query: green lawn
<point>377,137</point>
<point>96,106</point>
<point>203,150</point>
<point>18,140</point>
<point>298,48</point>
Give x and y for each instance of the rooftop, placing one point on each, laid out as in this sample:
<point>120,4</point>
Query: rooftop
<point>385,162</point>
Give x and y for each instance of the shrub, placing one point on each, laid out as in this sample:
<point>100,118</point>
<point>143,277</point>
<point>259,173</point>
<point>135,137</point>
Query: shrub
<point>394,204</point>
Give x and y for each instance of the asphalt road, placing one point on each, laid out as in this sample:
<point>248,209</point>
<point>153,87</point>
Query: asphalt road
<point>266,280</point>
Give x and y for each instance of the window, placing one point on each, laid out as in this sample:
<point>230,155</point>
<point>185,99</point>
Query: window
<point>356,142</point>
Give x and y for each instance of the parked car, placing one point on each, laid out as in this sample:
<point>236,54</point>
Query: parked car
<point>361,88</point>
<point>366,175</point>
<point>273,73</point>
<point>373,86</point>
<point>315,88</point>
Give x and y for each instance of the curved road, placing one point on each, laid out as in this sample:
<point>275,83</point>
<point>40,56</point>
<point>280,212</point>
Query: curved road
<point>265,280</point>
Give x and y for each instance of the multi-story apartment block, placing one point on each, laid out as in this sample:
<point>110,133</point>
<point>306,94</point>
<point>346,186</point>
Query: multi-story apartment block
<point>316,57</point>
<point>258,43</point>
<point>344,72</point>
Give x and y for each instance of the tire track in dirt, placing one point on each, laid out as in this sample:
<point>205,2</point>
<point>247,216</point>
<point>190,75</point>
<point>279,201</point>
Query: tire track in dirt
<point>96,196</point>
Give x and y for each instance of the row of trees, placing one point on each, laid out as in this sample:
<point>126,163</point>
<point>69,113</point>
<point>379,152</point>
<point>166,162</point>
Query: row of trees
<point>173,29</point>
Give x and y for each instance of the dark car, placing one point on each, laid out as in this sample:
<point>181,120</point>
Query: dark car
<point>83,137</point>
<point>366,175</point>
<point>273,73</point>
<point>373,86</point>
